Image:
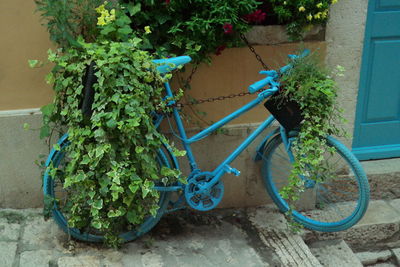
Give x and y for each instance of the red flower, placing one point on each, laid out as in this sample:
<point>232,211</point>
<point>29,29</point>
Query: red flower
<point>167,2</point>
<point>220,49</point>
<point>228,28</point>
<point>256,17</point>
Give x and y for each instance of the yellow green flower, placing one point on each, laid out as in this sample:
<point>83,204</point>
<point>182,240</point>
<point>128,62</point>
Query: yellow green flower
<point>112,15</point>
<point>302,9</point>
<point>284,2</point>
<point>309,17</point>
<point>325,14</point>
<point>101,21</point>
<point>318,15</point>
<point>334,1</point>
<point>147,29</point>
<point>105,16</point>
<point>319,5</point>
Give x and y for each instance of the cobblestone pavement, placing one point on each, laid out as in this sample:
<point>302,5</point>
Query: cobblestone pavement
<point>225,237</point>
<point>27,240</point>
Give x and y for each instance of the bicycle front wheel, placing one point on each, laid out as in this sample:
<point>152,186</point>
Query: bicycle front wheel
<point>335,204</point>
<point>55,191</point>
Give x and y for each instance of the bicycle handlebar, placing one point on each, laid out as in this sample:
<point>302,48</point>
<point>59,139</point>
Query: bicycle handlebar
<point>272,74</point>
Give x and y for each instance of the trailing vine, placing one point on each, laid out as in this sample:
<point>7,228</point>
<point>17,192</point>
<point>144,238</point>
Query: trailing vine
<point>112,167</point>
<point>313,88</point>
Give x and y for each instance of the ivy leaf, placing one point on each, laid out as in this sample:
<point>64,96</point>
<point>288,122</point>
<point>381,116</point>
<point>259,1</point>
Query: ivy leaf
<point>132,217</point>
<point>111,123</point>
<point>47,110</point>
<point>114,213</point>
<point>33,63</point>
<point>57,147</point>
<point>125,30</point>
<point>85,159</point>
<point>107,29</point>
<point>96,224</point>
<point>133,9</point>
<point>44,131</point>
<point>98,204</point>
<point>139,149</point>
<point>133,188</point>
<point>145,191</point>
<point>91,194</point>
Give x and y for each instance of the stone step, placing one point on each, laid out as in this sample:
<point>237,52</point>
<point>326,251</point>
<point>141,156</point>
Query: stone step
<point>333,253</point>
<point>273,231</point>
<point>380,227</point>
<point>383,177</point>
<point>373,257</point>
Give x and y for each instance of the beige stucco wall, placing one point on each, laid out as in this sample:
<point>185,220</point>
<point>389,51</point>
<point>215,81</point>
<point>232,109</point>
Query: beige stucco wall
<point>22,38</point>
<point>232,72</point>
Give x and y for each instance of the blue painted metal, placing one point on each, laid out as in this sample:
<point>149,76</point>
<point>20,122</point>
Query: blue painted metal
<point>261,146</point>
<point>261,97</point>
<point>170,64</point>
<point>325,226</point>
<point>377,124</point>
<point>200,195</point>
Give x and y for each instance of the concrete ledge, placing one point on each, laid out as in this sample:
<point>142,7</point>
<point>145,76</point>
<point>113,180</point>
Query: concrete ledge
<point>383,177</point>
<point>335,253</point>
<point>21,180</point>
<point>273,231</point>
<point>276,34</point>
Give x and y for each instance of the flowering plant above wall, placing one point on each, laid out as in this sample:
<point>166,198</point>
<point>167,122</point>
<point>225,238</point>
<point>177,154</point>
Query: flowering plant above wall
<point>297,15</point>
<point>175,27</point>
<point>194,28</point>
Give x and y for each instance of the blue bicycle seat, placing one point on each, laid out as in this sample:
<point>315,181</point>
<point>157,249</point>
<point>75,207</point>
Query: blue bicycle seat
<point>169,64</point>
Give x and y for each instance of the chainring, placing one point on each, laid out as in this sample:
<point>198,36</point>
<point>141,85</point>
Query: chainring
<point>206,198</point>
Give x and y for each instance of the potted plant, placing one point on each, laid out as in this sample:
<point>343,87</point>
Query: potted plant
<point>311,93</point>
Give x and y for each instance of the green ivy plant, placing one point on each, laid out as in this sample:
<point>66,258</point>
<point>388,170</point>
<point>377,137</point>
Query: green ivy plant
<point>112,165</point>
<point>313,88</point>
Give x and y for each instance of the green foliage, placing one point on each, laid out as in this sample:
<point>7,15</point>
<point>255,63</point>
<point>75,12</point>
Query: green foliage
<point>189,27</point>
<point>298,15</point>
<point>309,84</point>
<point>112,165</point>
<point>68,19</point>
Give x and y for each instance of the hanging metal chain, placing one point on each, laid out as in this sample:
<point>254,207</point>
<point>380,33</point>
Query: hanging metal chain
<point>220,98</point>
<point>258,57</point>
<point>212,99</point>
<point>189,79</point>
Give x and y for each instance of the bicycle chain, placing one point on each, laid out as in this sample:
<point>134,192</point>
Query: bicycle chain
<point>220,98</point>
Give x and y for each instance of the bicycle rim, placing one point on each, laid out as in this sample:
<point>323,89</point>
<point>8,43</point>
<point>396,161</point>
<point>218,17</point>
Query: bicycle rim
<point>336,203</point>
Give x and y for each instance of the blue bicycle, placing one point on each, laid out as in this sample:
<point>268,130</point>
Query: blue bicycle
<point>335,204</point>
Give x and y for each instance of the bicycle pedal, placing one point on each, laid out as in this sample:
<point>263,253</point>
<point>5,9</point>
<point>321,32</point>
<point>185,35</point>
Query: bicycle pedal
<point>234,171</point>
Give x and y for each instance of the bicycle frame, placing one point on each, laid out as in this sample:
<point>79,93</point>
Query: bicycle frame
<point>224,167</point>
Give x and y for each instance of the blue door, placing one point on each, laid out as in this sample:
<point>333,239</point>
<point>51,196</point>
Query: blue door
<point>377,125</point>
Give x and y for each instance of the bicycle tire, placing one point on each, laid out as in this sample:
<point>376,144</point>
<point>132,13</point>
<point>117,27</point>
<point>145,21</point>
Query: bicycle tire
<point>49,190</point>
<point>319,214</point>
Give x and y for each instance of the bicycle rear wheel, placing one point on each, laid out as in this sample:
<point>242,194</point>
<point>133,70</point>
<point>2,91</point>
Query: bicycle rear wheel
<point>53,189</point>
<point>335,204</point>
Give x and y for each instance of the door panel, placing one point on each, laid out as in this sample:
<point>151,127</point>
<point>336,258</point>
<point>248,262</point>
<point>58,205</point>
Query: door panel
<point>377,126</point>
